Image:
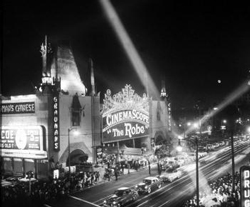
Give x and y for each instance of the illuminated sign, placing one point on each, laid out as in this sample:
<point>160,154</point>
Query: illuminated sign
<point>125,124</point>
<point>22,141</point>
<point>245,186</point>
<point>56,133</point>
<point>125,115</point>
<point>99,154</point>
<point>18,108</point>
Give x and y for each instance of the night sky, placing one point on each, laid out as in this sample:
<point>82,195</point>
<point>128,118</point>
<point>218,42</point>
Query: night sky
<point>189,44</point>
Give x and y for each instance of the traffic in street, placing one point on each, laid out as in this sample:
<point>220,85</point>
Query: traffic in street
<point>169,193</point>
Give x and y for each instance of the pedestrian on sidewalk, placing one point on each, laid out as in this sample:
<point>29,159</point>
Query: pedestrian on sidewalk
<point>122,168</point>
<point>116,173</point>
<point>97,175</point>
<point>149,168</point>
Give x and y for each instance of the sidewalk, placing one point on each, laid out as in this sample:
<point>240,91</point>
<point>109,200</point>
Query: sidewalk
<point>127,172</point>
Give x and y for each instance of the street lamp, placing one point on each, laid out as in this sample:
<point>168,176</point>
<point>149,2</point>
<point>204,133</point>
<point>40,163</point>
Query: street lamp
<point>197,172</point>
<point>196,125</point>
<point>76,132</point>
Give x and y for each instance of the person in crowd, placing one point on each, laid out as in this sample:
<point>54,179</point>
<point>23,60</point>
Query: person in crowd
<point>116,173</point>
<point>92,178</point>
<point>221,192</point>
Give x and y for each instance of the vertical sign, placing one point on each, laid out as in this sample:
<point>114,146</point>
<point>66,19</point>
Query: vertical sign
<point>56,132</point>
<point>245,186</point>
<point>99,154</point>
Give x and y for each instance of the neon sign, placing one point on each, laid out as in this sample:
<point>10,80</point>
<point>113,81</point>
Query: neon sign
<point>125,115</point>
<point>245,186</point>
<point>56,134</point>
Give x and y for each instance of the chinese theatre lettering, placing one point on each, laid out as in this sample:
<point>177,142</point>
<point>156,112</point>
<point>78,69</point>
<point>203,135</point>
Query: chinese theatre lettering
<point>125,116</point>
<point>18,108</point>
<point>56,134</point>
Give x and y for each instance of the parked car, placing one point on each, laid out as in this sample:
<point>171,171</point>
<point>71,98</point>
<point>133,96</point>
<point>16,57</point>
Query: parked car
<point>148,185</point>
<point>170,176</point>
<point>120,197</point>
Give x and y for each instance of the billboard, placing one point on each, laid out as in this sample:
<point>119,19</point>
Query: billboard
<point>125,116</point>
<point>22,141</point>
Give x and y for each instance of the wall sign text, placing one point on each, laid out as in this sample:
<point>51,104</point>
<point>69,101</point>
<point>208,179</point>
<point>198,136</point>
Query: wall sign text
<point>18,108</point>
<point>56,133</point>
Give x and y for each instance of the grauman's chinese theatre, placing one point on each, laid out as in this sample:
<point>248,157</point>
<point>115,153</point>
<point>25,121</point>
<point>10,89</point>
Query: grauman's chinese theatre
<point>37,130</point>
<point>133,124</point>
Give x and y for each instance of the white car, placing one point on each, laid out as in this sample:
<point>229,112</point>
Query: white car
<point>171,176</point>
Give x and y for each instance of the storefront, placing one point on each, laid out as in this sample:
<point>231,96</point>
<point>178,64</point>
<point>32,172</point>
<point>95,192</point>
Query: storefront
<point>23,137</point>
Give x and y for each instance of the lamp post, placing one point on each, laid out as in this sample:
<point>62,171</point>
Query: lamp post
<point>197,171</point>
<point>231,127</point>
<point>197,162</point>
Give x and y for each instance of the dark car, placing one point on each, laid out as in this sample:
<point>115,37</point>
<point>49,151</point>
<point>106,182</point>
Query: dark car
<point>121,197</point>
<point>148,185</point>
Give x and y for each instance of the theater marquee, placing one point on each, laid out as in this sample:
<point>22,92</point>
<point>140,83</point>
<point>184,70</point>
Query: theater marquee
<point>23,142</point>
<point>125,115</point>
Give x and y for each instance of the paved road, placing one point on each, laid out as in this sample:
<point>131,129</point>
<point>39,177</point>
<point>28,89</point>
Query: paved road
<point>172,194</point>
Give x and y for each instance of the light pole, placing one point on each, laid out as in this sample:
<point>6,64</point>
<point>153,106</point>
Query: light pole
<point>197,162</point>
<point>197,171</point>
<point>232,154</point>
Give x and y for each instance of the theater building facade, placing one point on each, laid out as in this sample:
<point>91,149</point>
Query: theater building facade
<point>38,130</point>
<point>130,121</point>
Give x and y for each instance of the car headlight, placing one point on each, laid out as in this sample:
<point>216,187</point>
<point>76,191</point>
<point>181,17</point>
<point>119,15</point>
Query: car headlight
<point>146,186</point>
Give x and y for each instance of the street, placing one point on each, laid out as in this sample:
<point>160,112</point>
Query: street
<point>214,165</point>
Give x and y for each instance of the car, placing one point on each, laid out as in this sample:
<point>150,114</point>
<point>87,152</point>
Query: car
<point>121,197</point>
<point>148,185</point>
<point>170,176</point>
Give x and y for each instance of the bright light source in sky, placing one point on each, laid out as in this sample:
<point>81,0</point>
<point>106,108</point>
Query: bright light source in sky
<point>129,48</point>
<point>219,81</point>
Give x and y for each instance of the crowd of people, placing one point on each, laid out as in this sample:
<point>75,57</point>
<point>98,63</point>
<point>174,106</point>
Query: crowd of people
<point>220,193</point>
<point>41,191</point>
